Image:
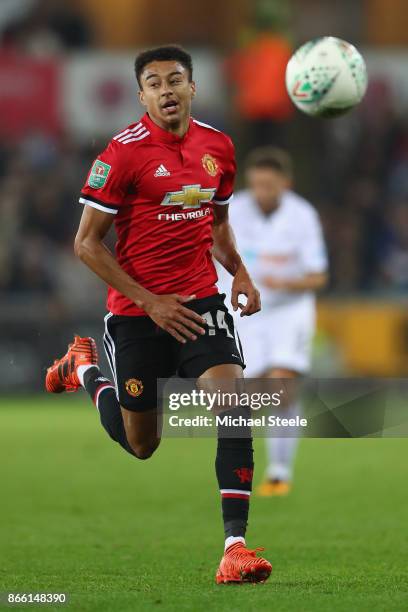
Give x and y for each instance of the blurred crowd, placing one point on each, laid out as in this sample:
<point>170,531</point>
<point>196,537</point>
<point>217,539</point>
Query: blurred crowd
<point>40,179</point>
<point>363,171</point>
<point>42,27</point>
<point>41,175</point>
<point>354,169</point>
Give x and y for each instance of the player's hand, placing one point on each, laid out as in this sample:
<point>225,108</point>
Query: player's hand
<point>243,284</point>
<point>168,312</point>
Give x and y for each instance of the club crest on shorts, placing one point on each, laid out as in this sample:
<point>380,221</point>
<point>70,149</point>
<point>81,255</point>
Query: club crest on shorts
<point>134,387</point>
<point>99,174</point>
<point>210,164</point>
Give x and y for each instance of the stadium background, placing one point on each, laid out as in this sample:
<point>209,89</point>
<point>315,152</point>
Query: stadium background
<point>66,85</point>
<point>73,62</point>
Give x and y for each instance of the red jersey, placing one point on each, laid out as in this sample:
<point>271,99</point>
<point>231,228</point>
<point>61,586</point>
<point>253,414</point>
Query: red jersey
<point>162,190</point>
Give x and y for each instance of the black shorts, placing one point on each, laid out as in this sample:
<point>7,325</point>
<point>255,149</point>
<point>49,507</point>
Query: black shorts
<point>139,352</point>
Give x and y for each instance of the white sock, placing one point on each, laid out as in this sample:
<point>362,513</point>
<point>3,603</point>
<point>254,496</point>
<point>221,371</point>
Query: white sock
<point>282,451</point>
<point>233,540</point>
<point>81,371</point>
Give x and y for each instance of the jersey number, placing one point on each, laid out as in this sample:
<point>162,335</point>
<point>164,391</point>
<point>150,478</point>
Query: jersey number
<point>219,323</point>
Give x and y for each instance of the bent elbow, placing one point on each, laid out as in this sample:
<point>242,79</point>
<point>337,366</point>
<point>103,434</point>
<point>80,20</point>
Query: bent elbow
<point>79,248</point>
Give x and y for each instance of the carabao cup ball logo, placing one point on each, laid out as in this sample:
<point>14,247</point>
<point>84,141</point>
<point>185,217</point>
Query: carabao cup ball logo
<point>210,164</point>
<point>326,77</point>
<point>134,387</point>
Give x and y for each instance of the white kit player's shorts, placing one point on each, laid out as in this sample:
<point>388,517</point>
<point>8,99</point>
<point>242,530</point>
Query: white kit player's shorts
<point>278,336</point>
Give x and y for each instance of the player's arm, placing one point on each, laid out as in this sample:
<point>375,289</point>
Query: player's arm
<point>226,253</point>
<point>90,248</point>
<point>166,311</point>
<point>313,257</point>
<point>310,282</point>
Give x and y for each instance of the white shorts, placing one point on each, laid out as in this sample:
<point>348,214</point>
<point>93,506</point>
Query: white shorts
<point>279,336</point>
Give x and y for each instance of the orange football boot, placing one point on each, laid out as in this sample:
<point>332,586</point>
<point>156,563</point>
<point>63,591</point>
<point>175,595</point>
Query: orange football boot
<point>239,564</point>
<point>62,375</point>
<point>274,488</point>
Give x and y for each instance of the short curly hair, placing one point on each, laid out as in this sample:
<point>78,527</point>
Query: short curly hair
<point>163,54</point>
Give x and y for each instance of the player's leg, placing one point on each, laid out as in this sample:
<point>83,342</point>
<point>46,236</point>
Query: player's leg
<point>142,431</point>
<point>260,348</point>
<point>212,359</point>
<point>136,432</point>
<point>289,330</point>
<point>281,451</point>
<point>234,463</point>
<point>139,353</point>
<point>234,466</point>
<point>79,368</point>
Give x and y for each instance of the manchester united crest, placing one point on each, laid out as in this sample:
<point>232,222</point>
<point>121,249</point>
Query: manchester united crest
<point>210,164</point>
<point>134,387</point>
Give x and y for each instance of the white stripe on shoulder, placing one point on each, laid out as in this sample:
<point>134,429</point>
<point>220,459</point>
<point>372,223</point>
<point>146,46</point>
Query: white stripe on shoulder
<point>205,125</point>
<point>143,135</point>
<point>121,134</point>
<point>126,131</point>
<point>134,132</point>
<point>98,206</point>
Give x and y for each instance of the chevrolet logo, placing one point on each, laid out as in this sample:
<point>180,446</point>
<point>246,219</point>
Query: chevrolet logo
<point>192,196</point>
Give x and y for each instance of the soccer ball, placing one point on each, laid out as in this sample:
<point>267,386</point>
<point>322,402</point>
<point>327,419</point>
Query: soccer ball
<point>326,77</point>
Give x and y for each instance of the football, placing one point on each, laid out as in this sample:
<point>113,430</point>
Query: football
<point>326,77</point>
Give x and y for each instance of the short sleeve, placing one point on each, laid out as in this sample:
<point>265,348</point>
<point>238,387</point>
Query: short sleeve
<point>313,249</point>
<point>229,168</point>
<point>108,180</point>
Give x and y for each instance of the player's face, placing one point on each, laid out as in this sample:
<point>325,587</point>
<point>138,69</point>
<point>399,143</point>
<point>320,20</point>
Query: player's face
<point>167,93</point>
<point>267,186</point>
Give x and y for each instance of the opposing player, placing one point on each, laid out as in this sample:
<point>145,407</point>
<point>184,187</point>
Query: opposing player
<point>166,181</point>
<point>280,238</point>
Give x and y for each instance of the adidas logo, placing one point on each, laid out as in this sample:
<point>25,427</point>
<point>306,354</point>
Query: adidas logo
<point>162,171</point>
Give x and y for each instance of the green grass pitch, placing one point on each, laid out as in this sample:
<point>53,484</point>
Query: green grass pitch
<point>80,516</point>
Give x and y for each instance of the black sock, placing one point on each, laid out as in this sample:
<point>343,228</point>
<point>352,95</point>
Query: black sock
<point>103,395</point>
<point>234,467</point>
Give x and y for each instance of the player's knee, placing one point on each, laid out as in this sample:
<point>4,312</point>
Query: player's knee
<point>144,450</point>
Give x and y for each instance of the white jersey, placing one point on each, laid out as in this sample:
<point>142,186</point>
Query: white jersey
<point>287,244</point>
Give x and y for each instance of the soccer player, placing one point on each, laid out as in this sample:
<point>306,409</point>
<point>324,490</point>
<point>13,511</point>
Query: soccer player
<point>166,182</point>
<point>280,239</point>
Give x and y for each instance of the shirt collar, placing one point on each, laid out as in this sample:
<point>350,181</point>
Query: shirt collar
<point>164,135</point>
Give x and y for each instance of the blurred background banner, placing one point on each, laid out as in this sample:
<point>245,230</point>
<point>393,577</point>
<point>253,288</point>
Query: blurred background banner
<point>67,85</point>
<point>25,79</point>
<point>99,94</point>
